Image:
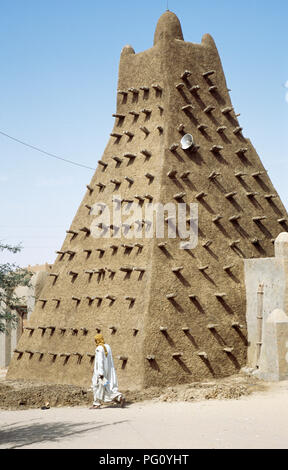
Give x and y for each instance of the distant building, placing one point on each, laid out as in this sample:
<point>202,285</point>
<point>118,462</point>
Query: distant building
<point>28,296</point>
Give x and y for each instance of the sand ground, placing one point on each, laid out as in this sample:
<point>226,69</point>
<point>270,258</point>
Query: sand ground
<point>257,421</point>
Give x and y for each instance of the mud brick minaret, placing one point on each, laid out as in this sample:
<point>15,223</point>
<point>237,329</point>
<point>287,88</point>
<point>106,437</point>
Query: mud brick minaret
<point>170,315</point>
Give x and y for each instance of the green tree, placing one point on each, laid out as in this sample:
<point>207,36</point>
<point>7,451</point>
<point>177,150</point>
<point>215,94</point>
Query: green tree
<point>11,276</point>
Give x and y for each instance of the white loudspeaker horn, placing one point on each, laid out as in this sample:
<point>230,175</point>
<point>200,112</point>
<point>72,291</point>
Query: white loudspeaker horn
<point>187,141</point>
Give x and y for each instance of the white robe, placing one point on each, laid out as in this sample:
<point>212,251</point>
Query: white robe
<point>104,365</point>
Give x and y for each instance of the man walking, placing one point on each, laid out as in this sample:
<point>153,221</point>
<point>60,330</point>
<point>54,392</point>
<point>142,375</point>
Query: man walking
<point>104,380</point>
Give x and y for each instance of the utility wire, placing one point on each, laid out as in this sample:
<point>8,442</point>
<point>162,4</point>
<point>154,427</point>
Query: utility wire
<point>46,153</point>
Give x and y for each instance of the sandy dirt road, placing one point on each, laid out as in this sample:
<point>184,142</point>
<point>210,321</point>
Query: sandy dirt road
<point>259,421</point>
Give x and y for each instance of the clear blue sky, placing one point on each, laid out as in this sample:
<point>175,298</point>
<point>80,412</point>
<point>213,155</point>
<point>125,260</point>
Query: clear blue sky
<point>59,63</point>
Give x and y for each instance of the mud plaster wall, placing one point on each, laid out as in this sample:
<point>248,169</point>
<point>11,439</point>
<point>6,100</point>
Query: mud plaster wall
<point>272,273</point>
<point>209,288</point>
<point>212,324</point>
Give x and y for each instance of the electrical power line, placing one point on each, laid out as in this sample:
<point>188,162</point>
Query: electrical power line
<point>46,153</point>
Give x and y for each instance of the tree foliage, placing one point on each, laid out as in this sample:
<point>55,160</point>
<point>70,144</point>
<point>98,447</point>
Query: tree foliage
<point>11,276</point>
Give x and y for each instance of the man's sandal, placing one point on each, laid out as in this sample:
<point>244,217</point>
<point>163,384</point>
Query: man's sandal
<point>94,407</point>
<point>122,401</point>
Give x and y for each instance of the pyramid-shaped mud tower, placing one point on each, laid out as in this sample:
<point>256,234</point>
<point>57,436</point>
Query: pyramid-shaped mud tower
<point>171,315</point>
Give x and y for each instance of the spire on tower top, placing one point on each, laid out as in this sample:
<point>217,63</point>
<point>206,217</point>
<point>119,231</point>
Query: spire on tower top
<point>168,27</point>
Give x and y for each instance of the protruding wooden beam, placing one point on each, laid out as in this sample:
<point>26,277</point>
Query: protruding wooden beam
<point>90,355</point>
<point>237,130</point>
<point>145,130</point>
<point>202,127</point>
<point>207,243</point>
<point>240,152</point>
<point>140,269</point>
<point>203,354</point>
<point>200,195</point>
<point>73,232</point>
<point>54,275</point>
<point>129,134</point>
<point>209,109</point>
<point>258,173</point>
<point>228,267</point>
<point>216,148</point>
<point>123,358</point>
<point>172,173</point>
<point>134,113</point>
<point>194,88</point>
<point>157,87</point>
<point>146,153</point>
<point>163,329</point>
<point>179,196</point>
<point>115,181</point>
<point>171,296</point>
<point>18,351</point>
<point>217,218</point>
<point>110,297</point>
<point>203,268</point>
<point>220,295</point>
<point>116,134</point>
<point>251,194</point>
<point>187,107</point>
<point>146,111</point>
<point>186,74</point>
<point>227,110</point>
<point>234,243</point>
<point>85,230</point>
<point>234,218</point>
<point>214,175</point>
<point>173,147</point>
<point>240,174</point>
<point>140,198</point>
<point>221,129</point>
<point>178,269</point>
<point>208,73</point>
<point>176,355</point>
<point>231,194</point>
<point>150,357</point>
<point>118,116</point>
<point>101,185</point>
<point>130,180</point>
